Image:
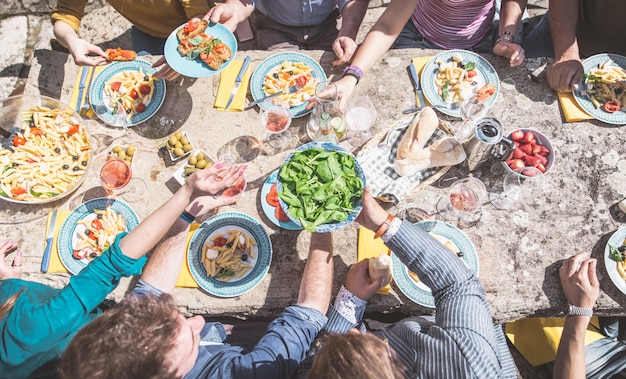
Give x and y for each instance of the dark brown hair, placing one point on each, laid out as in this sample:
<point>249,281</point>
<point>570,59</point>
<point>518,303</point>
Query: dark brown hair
<point>362,356</point>
<point>132,340</point>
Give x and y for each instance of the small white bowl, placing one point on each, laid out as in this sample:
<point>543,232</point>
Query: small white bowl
<point>541,140</point>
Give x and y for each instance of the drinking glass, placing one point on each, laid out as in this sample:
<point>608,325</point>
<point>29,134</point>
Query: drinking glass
<point>517,186</point>
<point>471,110</point>
<point>276,118</point>
<point>360,117</point>
<point>116,174</point>
<point>326,107</point>
<point>117,118</point>
<point>463,201</point>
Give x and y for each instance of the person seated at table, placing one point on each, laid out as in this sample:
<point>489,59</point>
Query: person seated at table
<point>294,25</point>
<point>575,29</point>
<point>460,341</point>
<point>432,24</point>
<point>146,336</point>
<point>38,321</point>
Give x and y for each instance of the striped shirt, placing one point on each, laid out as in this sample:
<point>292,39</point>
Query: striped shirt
<point>454,24</point>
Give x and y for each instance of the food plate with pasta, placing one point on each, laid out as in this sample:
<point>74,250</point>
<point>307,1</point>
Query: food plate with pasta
<point>283,70</point>
<point>125,93</point>
<point>229,254</point>
<point>451,237</point>
<point>102,218</point>
<point>602,91</point>
<point>454,75</point>
<point>616,270</point>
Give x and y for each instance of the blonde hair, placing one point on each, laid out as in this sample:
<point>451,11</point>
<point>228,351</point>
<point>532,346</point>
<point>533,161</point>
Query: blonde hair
<point>362,356</point>
<point>6,307</point>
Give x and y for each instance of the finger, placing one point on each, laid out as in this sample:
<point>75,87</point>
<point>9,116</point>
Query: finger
<point>159,62</point>
<point>17,264</point>
<point>593,275</point>
<point>576,79</point>
<point>583,272</point>
<point>574,264</point>
<point>7,246</point>
<point>225,200</point>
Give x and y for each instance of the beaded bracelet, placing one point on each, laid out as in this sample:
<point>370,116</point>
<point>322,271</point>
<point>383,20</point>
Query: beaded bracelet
<point>384,226</point>
<point>186,216</point>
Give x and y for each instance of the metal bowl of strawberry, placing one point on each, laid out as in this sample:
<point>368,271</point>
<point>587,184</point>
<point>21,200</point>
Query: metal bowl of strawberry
<point>532,149</point>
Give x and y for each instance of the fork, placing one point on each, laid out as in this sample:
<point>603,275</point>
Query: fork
<point>451,106</point>
<point>84,108</point>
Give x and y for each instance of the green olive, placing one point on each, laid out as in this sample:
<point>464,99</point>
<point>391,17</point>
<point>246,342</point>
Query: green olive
<point>187,148</point>
<point>189,171</point>
<point>178,152</point>
<point>117,149</point>
<point>200,156</point>
<point>130,150</point>
<point>173,140</point>
<point>129,159</point>
<point>193,160</point>
<point>184,140</point>
<point>121,154</point>
<point>201,164</point>
<point>178,145</point>
<point>178,135</point>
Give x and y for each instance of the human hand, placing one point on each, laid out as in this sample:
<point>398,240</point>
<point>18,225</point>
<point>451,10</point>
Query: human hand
<point>344,48</point>
<point>165,72</point>
<point>510,50</point>
<point>359,283</point>
<point>15,270</point>
<point>225,14</point>
<point>565,74</point>
<point>372,215</point>
<point>215,179</point>
<point>579,281</point>
<point>85,53</point>
<point>345,86</point>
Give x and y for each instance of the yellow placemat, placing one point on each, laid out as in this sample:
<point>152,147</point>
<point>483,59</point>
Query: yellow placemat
<point>55,266</point>
<point>571,110</point>
<point>370,247</point>
<point>537,339</point>
<point>184,278</point>
<point>74,100</point>
<point>419,63</point>
<point>227,83</point>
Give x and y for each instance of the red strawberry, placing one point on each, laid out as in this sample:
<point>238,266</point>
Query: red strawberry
<point>529,137</point>
<point>516,164</point>
<point>543,150</point>
<point>518,153</point>
<point>543,160</point>
<point>536,149</point>
<point>531,161</point>
<point>517,135</point>
<point>529,172</point>
<point>541,168</point>
<point>527,149</point>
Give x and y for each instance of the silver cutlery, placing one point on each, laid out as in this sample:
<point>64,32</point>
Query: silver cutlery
<point>81,86</point>
<point>86,105</point>
<point>244,67</point>
<point>49,240</point>
<point>291,89</point>
<point>451,106</point>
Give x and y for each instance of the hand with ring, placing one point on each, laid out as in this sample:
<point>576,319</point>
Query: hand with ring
<point>15,269</point>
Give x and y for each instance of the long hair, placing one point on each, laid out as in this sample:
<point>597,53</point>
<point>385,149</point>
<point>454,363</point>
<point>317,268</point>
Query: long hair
<point>6,307</point>
<point>132,340</point>
<point>362,356</point>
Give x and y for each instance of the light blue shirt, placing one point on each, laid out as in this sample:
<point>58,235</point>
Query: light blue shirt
<point>298,13</point>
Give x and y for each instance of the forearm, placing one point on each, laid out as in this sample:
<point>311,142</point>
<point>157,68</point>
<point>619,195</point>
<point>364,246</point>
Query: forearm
<point>64,33</point>
<point>563,17</point>
<point>351,18</point>
<point>317,278</point>
<point>164,265</point>
<point>570,357</point>
<point>510,16</point>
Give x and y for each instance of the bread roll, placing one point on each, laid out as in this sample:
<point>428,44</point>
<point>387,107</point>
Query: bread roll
<point>444,152</point>
<point>380,267</point>
<point>422,127</point>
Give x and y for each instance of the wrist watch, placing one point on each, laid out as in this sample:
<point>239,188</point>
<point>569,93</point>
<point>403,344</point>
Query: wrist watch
<point>578,311</point>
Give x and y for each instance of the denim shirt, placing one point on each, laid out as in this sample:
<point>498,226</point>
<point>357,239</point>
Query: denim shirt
<point>276,355</point>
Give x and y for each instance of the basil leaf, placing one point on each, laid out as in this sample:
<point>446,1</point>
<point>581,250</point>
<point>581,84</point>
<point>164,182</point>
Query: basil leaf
<point>444,91</point>
<point>470,66</point>
<point>615,254</point>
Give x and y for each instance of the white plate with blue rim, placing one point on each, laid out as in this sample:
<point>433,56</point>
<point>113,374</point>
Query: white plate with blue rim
<point>222,223</point>
<point>195,68</point>
<point>616,240</point>
<point>101,103</point>
<point>485,73</point>
<point>451,237</point>
<point>582,98</point>
<point>263,69</point>
<point>69,232</point>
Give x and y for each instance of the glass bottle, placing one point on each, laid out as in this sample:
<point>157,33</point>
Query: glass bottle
<point>326,133</point>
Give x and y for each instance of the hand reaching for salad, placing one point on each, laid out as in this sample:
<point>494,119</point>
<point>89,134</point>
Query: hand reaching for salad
<point>15,270</point>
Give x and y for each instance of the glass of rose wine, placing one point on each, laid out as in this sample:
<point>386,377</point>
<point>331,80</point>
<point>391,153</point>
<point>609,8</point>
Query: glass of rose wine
<point>276,119</point>
<point>463,201</point>
<point>115,175</point>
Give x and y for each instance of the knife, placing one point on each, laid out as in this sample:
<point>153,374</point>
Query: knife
<point>244,67</point>
<point>419,96</point>
<point>81,87</point>
<point>45,262</point>
<point>291,89</point>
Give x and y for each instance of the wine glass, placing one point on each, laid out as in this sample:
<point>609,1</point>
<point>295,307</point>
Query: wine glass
<point>276,118</point>
<point>360,117</point>
<point>325,108</point>
<point>471,110</point>
<point>516,186</point>
<point>114,114</point>
<point>463,201</point>
<point>116,174</point>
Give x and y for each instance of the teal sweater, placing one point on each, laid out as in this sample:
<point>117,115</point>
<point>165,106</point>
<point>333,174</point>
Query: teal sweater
<point>44,319</point>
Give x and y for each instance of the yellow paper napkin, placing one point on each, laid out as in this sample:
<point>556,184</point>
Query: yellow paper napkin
<point>571,110</point>
<point>537,339</point>
<point>74,100</point>
<point>184,278</point>
<point>55,265</point>
<point>227,83</point>
<point>419,63</point>
<point>369,247</point>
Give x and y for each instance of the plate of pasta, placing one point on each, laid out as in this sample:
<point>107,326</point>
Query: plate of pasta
<point>48,152</point>
<point>229,254</point>
<point>92,228</point>
<point>602,91</point>
<point>283,70</point>
<point>125,93</point>
<point>454,75</point>
<point>452,238</point>
<point>615,269</point>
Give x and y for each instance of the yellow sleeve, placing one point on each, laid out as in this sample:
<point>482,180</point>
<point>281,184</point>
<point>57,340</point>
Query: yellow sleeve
<point>70,12</point>
<point>196,7</point>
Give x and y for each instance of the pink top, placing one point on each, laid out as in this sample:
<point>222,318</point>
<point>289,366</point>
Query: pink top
<point>454,24</point>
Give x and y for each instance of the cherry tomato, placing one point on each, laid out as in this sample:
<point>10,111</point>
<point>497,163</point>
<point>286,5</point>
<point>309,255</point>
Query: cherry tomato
<point>145,89</point>
<point>18,190</point>
<point>17,140</point>
<point>272,196</point>
<point>80,254</point>
<point>220,241</point>
<point>73,129</point>
<point>141,107</point>
<point>220,48</point>
<point>611,106</point>
<point>36,131</point>
<point>281,215</point>
<point>134,94</point>
<point>115,86</point>
<point>191,26</point>
<point>301,81</point>
<point>126,54</point>
<point>96,224</point>
<point>471,73</point>
<point>93,236</point>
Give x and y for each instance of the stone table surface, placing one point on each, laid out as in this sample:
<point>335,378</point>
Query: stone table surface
<point>519,249</point>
